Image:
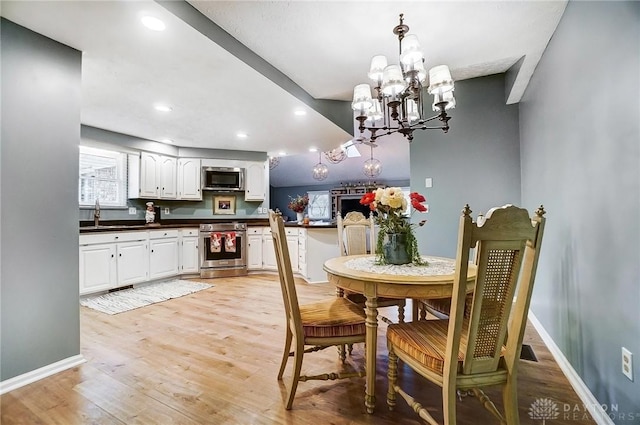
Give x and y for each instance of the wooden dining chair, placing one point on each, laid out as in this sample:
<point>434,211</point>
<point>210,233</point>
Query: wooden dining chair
<point>356,236</point>
<point>465,355</point>
<point>334,322</point>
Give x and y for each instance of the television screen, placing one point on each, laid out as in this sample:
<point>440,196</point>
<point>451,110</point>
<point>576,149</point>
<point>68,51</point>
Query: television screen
<point>348,205</point>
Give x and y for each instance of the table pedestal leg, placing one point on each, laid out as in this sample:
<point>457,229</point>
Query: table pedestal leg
<point>371,323</point>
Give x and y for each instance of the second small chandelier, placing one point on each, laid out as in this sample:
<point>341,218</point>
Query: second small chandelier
<point>397,106</point>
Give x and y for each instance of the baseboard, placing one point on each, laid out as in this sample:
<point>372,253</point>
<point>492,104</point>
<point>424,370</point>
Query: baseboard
<point>599,415</point>
<point>35,375</point>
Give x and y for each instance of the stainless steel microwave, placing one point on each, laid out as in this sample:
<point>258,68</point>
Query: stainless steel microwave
<point>222,179</point>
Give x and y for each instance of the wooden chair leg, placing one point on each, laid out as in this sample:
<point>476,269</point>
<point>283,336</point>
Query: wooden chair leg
<point>295,377</point>
<point>449,404</point>
<point>392,376</point>
<point>285,355</point>
<point>350,346</point>
<point>510,401</point>
<point>400,314</point>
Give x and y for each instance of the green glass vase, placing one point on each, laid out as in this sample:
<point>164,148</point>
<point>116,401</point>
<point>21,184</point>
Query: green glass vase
<point>395,249</point>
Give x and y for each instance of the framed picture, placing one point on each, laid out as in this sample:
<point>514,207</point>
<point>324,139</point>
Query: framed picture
<point>224,204</point>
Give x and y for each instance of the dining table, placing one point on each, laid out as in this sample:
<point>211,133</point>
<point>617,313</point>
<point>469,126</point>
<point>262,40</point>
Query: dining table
<point>361,274</point>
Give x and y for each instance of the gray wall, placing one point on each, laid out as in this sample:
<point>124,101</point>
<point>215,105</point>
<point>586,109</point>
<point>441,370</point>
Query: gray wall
<point>580,135</point>
<point>39,255</point>
<point>477,162</point>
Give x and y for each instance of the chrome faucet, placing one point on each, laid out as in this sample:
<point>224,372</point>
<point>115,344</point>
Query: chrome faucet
<point>96,214</point>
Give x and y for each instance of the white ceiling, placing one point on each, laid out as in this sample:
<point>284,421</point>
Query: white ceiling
<point>323,47</point>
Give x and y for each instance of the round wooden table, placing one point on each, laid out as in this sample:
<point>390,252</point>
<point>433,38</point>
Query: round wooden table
<point>357,273</point>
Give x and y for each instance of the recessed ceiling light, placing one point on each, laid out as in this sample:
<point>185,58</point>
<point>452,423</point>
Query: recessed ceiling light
<point>162,108</point>
<point>241,135</point>
<point>152,23</point>
<point>282,153</point>
<point>313,149</point>
<point>300,112</point>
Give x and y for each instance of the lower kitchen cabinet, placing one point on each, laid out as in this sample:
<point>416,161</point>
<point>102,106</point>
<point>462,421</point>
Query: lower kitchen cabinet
<point>132,262</point>
<point>188,241</point>
<point>268,251</point>
<point>262,256</point>
<point>254,248</point>
<point>163,253</point>
<point>111,260</point>
<point>98,271</point>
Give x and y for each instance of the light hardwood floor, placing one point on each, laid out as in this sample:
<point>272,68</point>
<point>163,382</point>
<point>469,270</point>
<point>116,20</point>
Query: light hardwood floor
<point>212,358</point>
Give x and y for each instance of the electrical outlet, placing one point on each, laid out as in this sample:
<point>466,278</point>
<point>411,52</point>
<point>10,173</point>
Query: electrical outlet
<point>166,211</point>
<point>627,363</point>
<point>132,211</point>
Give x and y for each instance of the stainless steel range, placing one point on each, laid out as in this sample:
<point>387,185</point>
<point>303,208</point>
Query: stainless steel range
<point>223,249</point>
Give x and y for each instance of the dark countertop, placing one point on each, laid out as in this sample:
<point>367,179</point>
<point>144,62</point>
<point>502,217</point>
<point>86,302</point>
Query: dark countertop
<point>128,225</point>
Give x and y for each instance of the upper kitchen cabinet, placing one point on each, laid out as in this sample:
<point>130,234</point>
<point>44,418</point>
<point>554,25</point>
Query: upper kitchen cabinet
<point>189,175</point>
<point>155,176</point>
<point>256,181</point>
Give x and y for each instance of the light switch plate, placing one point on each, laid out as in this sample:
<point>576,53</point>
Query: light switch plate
<point>428,182</point>
<point>166,211</point>
<point>132,211</point>
<point>627,363</point>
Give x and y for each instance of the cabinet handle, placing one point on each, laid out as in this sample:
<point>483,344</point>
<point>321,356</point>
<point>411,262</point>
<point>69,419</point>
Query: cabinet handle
<point>119,255</point>
<point>112,255</point>
<point>152,250</point>
<point>116,237</point>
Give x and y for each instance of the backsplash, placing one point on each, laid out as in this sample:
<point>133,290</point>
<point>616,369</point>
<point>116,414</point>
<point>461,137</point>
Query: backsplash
<point>178,209</point>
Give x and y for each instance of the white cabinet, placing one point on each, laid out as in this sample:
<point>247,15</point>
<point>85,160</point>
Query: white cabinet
<point>168,175</point>
<point>189,176</point>
<point>302,252</point>
<point>188,241</point>
<point>163,253</point>
<point>152,176</point>
<point>316,245</point>
<point>132,262</point>
<point>111,260</point>
<point>97,267</point>
<point>292,244</point>
<point>148,182</point>
<point>268,251</point>
<point>262,255</point>
<point>255,181</point>
<point>254,248</point>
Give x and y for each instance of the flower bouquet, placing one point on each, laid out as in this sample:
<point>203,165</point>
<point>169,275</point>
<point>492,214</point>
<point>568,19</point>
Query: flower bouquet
<point>298,204</point>
<point>390,204</point>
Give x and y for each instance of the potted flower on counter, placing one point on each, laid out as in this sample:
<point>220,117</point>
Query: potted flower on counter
<point>298,205</point>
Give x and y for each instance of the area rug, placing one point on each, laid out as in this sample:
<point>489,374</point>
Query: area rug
<point>129,299</point>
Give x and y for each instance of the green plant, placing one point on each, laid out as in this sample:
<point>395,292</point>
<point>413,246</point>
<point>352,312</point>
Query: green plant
<point>390,205</point>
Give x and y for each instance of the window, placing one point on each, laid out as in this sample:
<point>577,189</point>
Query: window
<point>319,207</point>
<point>102,177</point>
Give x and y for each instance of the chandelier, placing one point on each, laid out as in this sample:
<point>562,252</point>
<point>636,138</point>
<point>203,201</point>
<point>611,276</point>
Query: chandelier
<point>320,170</point>
<point>274,161</point>
<point>372,167</point>
<point>335,156</point>
<point>397,106</point>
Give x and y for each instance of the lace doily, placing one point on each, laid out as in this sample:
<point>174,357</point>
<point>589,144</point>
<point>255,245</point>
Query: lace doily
<point>437,266</point>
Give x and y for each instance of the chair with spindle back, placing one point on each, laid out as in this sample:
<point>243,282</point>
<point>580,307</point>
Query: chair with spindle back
<point>466,354</point>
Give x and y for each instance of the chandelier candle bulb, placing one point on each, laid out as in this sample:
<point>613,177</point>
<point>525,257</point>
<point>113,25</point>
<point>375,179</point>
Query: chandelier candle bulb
<point>362,97</point>
<point>410,51</point>
<point>378,64</point>
<point>440,80</point>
